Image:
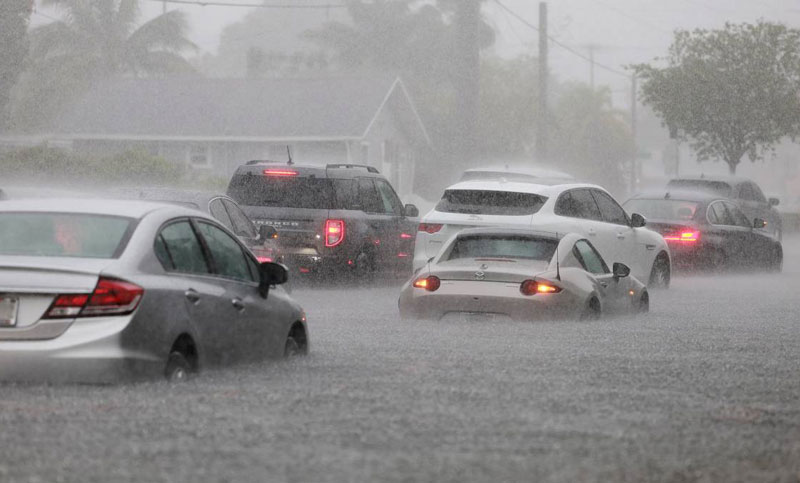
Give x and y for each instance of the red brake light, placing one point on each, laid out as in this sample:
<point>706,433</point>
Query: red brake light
<point>280,172</point>
<point>431,283</point>
<point>264,259</point>
<point>683,236</point>
<point>430,227</point>
<point>110,297</point>
<point>334,232</point>
<point>532,287</point>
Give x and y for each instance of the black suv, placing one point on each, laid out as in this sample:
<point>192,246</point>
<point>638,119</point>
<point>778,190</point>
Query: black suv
<point>743,192</point>
<point>335,219</point>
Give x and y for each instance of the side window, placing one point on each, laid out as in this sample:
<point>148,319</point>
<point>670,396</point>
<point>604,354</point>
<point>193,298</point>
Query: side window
<point>736,215</point>
<point>391,203</point>
<point>346,194</point>
<point>719,214</point>
<point>242,225</point>
<point>219,213</point>
<point>610,209</point>
<point>229,259</point>
<point>587,208</point>
<point>566,206</point>
<point>591,260</point>
<point>371,202</point>
<point>178,249</point>
<point>758,195</point>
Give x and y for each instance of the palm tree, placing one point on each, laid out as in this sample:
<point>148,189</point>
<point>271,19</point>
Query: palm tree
<point>102,37</point>
<point>95,40</point>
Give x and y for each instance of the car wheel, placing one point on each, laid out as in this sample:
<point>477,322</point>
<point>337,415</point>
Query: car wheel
<point>178,368</point>
<point>364,266</point>
<point>644,303</point>
<point>292,348</point>
<point>592,311</point>
<point>660,275</point>
<point>776,261</point>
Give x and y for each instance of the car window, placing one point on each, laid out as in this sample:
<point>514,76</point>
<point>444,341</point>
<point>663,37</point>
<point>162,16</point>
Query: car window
<point>490,202</point>
<point>718,215</point>
<point>735,214</point>
<point>281,191</point>
<point>219,213</point>
<point>391,203</point>
<point>371,201</point>
<point>242,225</point>
<point>591,260</point>
<point>745,192</point>
<point>578,204</point>
<point>610,209</point>
<point>758,195</point>
<point>229,258</point>
<point>178,249</point>
<point>720,188</point>
<point>346,193</point>
<point>503,246</point>
<point>661,209</point>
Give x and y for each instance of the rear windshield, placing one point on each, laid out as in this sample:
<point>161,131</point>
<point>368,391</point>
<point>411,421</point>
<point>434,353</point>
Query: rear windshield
<point>484,202</point>
<point>663,209</point>
<point>503,246</point>
<point>63,235</point>
<point>291,192</point>
<point>720,188</point>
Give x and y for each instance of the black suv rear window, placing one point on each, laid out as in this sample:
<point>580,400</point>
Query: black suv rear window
<point>485,202</point>
<point>291,191</point>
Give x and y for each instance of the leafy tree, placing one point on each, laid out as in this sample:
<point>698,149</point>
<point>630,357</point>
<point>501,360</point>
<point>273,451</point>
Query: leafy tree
<point>730,92</point>
<point>97,39</point>
<point>589,138</point>
<point>14,16</point>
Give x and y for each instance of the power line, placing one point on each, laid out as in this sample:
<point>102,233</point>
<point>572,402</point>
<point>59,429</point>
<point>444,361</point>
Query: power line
<point>563,46</point>
<point>204,3</point>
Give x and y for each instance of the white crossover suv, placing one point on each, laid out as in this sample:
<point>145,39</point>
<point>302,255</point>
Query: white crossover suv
<point>548,206</point>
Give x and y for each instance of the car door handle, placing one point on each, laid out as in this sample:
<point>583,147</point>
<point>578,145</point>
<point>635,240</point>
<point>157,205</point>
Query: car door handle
<point>603,284</point>
<point>192,296</point>
<point>621,236</point>
<point>592,232</point>
<point>237,304</point>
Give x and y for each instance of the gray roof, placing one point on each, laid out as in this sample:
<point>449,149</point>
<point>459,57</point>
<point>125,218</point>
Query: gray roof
<point>330,107</point>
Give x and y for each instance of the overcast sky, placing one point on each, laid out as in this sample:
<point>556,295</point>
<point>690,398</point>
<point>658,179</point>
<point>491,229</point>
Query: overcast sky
<point>621,31</point>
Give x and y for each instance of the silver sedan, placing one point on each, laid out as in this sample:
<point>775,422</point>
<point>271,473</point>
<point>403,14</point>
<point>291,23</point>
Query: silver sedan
<point>99,290</point>
<point>522,275</point>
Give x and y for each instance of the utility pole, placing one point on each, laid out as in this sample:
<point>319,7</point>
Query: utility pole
<point>635,161</point>
<point>467,77</point>
<point>541,128</point>
<point>591,66</point>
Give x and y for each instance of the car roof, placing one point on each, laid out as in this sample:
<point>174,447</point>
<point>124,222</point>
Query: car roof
<point>95,206</point>
<point>732,180</point>
<point>532,173</point>
<point>511,231</point>
<point>547,188</point>
<point>335,170</point>
<point>171,195</point>
<point>679,195</point>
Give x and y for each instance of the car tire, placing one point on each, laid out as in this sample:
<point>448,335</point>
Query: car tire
<point>364,266</point>
<point>660,274</point>
<point>292,348</point>
<point>643,305</point>
<point>592,311</point>
<point>776,261</point>
<point>178,368</point>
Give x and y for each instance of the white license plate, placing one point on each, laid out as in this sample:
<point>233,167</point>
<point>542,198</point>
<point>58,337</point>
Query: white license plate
<point>8,310</point>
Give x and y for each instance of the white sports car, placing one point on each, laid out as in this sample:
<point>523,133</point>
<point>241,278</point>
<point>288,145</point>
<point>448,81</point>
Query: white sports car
<point>552,206</point>
<point>523,275</point>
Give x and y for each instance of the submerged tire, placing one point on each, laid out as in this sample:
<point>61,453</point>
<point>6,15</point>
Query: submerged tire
<point>660,274</point>
<point>178,368</point>
<point>592,311</point>
<point>292,348</point>
<point>643,305</point>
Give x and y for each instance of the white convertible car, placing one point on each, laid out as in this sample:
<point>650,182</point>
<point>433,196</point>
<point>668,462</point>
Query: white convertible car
<point>547,205</point>
<point>522,275</point>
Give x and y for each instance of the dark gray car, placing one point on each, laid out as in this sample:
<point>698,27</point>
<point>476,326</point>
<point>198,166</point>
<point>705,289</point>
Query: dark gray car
<point>98,290</point>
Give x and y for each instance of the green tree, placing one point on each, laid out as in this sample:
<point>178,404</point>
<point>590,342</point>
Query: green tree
<point>14,16</point>
<point>589,138</point>
<point>730,92</point>
<point>97,39</point>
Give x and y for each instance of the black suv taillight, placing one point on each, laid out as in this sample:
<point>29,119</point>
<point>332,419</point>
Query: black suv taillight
<point>334,232</point>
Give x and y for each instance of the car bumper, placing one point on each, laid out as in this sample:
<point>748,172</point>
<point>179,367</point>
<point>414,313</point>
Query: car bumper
<point>91,350</point>
<point>495,298</point>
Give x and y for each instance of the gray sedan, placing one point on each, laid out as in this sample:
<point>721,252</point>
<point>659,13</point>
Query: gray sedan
<point>522,275</point>
<point>99,290</point>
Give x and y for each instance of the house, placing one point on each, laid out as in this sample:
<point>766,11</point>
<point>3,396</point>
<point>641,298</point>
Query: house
<point>217,124</point>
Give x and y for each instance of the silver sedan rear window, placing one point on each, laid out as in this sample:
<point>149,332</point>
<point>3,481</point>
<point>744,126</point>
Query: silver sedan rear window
<point>63,234</point>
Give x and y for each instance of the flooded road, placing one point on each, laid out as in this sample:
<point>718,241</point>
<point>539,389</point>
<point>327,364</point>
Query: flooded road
<point>705,387</point>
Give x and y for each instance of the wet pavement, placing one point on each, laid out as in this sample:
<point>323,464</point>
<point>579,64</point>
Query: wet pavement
<point>704,388</point>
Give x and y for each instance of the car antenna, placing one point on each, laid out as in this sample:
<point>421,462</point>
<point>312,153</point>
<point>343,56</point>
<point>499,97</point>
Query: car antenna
<point>289,154</point>
<point>558,269</point>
